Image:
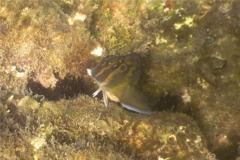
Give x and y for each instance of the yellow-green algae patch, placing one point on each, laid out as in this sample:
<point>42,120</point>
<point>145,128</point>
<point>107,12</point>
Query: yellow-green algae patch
<point>27,104</point>
<point>76,128</point>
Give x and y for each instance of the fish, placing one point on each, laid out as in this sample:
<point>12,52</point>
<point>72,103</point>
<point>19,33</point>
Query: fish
<point>117,78</point>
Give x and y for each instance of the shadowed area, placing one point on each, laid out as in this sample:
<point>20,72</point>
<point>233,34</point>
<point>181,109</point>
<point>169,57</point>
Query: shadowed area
<point>67,88</point>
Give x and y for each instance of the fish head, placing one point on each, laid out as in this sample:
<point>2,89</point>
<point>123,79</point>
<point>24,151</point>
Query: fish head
<point>115,71</point>
<point>117,77</point>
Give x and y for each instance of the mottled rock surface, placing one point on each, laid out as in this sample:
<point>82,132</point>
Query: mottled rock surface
<point>78,128</point>
<point>190,71</point>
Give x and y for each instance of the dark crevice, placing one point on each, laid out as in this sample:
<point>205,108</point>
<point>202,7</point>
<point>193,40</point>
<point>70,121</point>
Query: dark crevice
<point>66,88</point>
<point>169,103</point>
<point>71,87</point>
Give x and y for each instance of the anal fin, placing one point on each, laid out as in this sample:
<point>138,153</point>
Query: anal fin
<point>136,109</point>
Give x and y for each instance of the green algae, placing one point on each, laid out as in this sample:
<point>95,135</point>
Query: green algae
<point>44,42</point>
<point>84,124</point>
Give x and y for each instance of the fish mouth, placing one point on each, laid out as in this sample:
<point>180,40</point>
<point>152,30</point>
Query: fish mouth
<point>89,72</point>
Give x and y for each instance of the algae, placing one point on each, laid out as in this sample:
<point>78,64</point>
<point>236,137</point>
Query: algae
<point>190,70</point>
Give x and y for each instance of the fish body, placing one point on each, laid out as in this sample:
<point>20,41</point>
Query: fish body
<point>117,77</point>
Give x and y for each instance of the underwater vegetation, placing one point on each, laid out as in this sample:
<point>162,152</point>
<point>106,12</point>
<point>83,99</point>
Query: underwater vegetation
<point>178,60</point>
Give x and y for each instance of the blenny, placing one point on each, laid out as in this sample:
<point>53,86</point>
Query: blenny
<point>117,77</point>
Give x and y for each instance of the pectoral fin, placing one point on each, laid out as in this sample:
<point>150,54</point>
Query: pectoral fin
<point>105,98</point>
<point>96,92</point>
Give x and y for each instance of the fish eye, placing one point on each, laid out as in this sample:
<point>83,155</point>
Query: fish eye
<point>123,67</point>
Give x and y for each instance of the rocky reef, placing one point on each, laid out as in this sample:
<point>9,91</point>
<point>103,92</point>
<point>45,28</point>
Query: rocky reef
<point>190,72</point>
<point>83,128</point>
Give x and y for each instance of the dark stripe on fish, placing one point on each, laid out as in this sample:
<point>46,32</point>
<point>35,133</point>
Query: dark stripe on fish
<point>103,74</point>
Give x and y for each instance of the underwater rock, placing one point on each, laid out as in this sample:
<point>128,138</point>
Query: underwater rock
<point>165,135</point>
<point>86,125</point>
<point>211,69</point>
<point>42,45</point>
<point>219,121</point>
<point>190,52</point>
<point>159,136</point>
<point>215,102</point>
